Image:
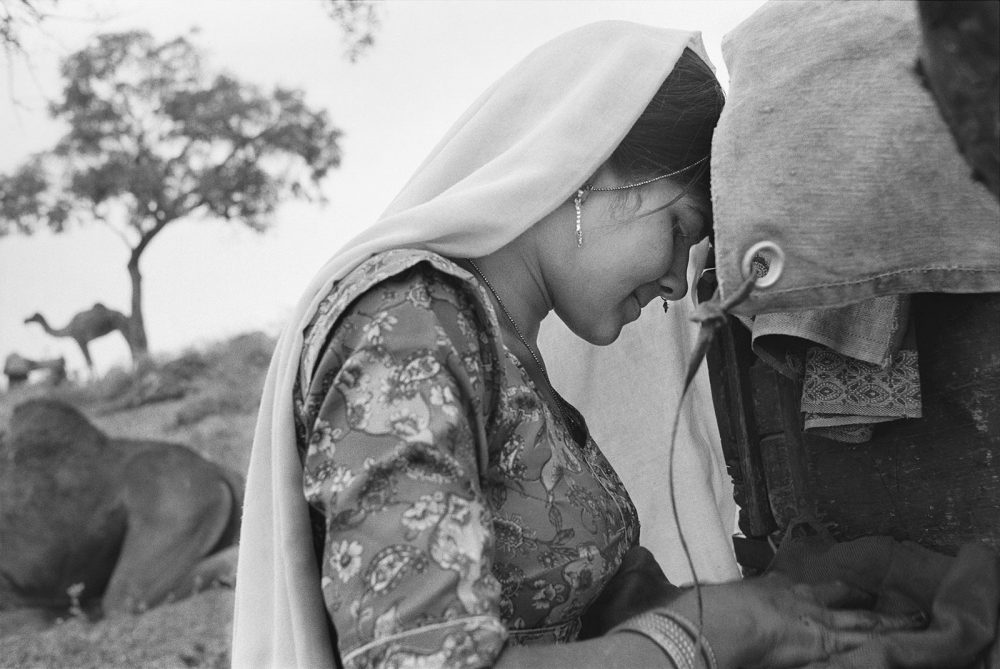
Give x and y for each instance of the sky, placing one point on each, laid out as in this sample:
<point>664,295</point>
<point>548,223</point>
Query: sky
<point>205,280</point>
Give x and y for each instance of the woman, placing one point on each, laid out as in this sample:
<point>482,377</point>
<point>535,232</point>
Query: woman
<point>419,494</point>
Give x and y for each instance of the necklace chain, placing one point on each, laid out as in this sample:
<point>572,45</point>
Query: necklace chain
<point>513,323</point>
<point>648,181</point>
<point>560,402</point>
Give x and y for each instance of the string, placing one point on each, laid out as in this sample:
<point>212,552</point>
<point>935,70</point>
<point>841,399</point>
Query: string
<point>712,317</point>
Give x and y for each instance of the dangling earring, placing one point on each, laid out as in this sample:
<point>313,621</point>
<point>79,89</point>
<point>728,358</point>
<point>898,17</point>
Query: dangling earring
<point>578,204</point>
<point>666,305</point>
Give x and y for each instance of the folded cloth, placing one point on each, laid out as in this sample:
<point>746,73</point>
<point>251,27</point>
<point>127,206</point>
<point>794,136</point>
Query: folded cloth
<point>854,367</point>
<point>843,398</point>
<point>870,331</point>
<point>960,594</point>
<point>830,147</point>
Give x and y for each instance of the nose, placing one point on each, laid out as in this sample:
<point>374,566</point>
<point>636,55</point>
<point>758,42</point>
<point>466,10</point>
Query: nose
<point>673,284</point>
<point>673,287</point>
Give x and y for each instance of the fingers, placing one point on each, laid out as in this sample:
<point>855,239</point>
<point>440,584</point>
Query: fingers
<point>838,594</point>
<point>820,634</point>
<point>846,607</point>
<point>837,632</point>
<point>816,623</point>
<point>872,622</point>
<point>834,642</point>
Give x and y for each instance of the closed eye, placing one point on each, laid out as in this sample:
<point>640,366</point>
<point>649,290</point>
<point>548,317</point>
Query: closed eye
<point>684,228</point>
<point>662,207</point>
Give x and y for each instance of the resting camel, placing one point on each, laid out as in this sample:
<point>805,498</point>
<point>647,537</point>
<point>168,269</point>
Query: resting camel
<point>125,524</point>
<point>86,326</point>
<point>17,368</point>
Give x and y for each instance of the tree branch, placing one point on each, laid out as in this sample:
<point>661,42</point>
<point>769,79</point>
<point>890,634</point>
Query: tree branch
<point>146,238</point>
<point>101,218</point>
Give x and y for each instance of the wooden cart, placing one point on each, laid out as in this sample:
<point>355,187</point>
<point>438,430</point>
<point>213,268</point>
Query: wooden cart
<point>934,480</point>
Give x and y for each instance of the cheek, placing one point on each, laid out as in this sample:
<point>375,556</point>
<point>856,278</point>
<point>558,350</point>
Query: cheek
<point>656,258</point>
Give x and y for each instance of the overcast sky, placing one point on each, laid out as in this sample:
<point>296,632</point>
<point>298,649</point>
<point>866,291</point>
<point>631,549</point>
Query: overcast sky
<point>205,281</point>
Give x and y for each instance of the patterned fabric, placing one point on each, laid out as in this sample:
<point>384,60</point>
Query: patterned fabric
<point>857,364</point>
<point>455,511</point>
<point>842,397</point>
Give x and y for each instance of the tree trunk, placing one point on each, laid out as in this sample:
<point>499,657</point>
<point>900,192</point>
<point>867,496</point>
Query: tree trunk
<point>137,326</point>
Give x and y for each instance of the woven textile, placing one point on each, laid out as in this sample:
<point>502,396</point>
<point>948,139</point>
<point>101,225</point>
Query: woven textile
<point>842,397</point>
<point>857,364</point>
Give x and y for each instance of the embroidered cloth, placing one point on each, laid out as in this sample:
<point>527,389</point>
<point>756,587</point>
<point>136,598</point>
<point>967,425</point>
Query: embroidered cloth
<point>858,364</point>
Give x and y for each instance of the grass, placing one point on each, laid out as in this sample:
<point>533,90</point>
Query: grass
<point>206,399</point>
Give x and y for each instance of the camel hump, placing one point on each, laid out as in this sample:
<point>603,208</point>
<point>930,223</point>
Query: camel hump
<point>44,424</point>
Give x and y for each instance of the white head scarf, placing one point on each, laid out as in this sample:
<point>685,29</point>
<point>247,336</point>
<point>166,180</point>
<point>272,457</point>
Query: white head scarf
<point>521,150</point>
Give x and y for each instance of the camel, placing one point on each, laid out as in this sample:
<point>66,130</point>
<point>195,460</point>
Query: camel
<point>88,325</point>
<point>17,368</point>
<point>107,525</point>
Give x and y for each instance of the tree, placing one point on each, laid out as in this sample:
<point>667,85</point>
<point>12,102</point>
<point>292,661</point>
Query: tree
<point>359,20</point>
<point>153,140</point>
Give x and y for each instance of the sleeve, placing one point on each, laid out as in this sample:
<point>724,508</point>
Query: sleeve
<point>394,451</point>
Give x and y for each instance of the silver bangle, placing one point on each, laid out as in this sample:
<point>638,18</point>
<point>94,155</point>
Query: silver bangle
<point>676,636</point>
<point>672,639</point>
<point>700,641</point>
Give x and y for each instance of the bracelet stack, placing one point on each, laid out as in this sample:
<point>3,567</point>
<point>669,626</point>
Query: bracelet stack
<point>675,635</point>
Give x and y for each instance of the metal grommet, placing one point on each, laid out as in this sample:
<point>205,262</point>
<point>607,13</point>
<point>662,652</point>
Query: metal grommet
<point>766,260</point>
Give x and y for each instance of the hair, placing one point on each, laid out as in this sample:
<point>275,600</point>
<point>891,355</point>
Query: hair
<point>675,129</point>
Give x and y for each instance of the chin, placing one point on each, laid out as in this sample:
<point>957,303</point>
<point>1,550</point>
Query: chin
<point>603,338</point>
<point>599,334</point>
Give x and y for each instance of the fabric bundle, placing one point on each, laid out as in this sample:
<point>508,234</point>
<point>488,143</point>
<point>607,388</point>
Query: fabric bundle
<point>959,595</point>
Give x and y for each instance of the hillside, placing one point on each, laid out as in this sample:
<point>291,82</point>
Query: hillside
<point>206,399</point>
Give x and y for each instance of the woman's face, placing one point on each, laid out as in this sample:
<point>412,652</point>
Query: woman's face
<point>635,249</point>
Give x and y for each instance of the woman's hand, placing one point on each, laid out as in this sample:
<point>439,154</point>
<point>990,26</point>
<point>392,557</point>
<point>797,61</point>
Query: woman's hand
<point>766,622</point>
<point>770,622</point>
<point>638,586</point>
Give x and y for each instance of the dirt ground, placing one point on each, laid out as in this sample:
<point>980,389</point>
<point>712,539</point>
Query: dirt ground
<point>194,632</point>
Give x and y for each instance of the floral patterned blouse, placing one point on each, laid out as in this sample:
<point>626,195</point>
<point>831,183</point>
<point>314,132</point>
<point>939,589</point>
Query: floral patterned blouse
<point>452,510</point>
